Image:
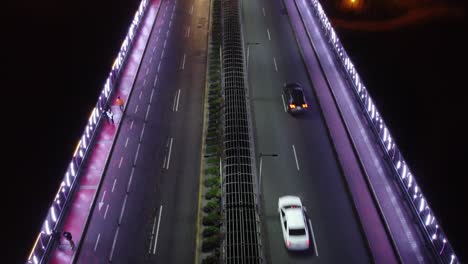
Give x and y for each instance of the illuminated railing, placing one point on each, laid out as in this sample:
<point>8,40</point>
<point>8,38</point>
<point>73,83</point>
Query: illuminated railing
<point>44,240</point>
<point>429,224</point>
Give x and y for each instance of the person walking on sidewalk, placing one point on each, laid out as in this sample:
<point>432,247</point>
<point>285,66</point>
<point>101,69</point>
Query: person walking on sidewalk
<point>68,236</point>
<point>110,116</point>
<point>120,103</point>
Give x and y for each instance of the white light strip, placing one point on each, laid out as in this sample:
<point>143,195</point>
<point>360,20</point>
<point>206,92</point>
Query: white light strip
<point>72,169</point>
<point>428,219</point>
<point>52,213</point>
<point>47,229</point>
<point>67,179</point>
<point>421,205</point>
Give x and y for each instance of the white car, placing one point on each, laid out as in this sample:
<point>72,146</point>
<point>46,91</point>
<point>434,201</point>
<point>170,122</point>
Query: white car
<point>293,223</point>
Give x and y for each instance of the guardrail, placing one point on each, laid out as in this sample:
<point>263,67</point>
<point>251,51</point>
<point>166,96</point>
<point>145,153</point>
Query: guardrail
<point>429,225</point>
<point>43,242</point>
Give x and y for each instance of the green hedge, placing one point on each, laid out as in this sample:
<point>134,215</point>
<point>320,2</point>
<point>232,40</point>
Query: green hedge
<point>212,219</point>
<point>213,258</point>
<point>211,206</point>
<point>210,231</point>
<point>211,243</point>
<point>212,170</point>
<point>213,192</point>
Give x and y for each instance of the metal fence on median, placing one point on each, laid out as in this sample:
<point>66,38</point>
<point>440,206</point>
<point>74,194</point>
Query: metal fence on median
<point>427,221</point>
<point>56,211</point>
<point>241,244</point>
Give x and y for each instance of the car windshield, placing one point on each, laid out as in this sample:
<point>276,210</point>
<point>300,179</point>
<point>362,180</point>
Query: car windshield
<point>297,232</point>
<point>297,96</point>
<point>291,206</point>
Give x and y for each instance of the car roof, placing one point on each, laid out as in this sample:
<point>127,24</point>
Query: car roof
<point>295,218</point>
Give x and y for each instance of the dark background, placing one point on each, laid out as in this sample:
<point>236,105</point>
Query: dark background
<point>56,56</point>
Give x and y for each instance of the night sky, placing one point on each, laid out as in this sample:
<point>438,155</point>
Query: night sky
<point>56,56</point>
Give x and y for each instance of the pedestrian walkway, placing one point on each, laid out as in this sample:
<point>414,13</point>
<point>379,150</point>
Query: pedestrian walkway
<point>93,169</point>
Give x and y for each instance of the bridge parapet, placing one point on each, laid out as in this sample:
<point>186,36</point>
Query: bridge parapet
<point>426,219</point>
<point>57,210</point>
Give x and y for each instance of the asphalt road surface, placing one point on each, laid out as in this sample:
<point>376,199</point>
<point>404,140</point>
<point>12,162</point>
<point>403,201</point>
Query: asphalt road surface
<point>157,161</point>
<point>306,165</point>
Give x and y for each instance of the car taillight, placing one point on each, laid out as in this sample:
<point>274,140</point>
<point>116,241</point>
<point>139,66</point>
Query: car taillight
<point>292,106</point>
<point>307,242</point>
<point>304,105</point>
<point>288,243</point>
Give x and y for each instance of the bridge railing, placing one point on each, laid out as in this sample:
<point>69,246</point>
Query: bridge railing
<point>43,242</point>
<point>427,221</point>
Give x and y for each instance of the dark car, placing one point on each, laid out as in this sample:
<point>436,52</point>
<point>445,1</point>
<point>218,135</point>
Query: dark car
<point>295,99</point>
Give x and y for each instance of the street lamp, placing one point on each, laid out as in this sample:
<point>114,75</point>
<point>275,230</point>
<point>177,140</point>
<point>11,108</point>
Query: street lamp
<point>260,170</point>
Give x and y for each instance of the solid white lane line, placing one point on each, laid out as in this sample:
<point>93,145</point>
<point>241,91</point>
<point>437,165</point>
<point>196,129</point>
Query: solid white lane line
<point>139,97</point>
<point>97,241</point>
<point>191,10</point>
<point>157,230</point>
<point>183,62</point>
<point>113,185</point>
<point>130,179</point>
<point>263,10</point>
<point>276,67</point>
<point>165,42</point>
<point>177,105</point>
<point>151,58</point>
<point>102,201</point>
<point>113,244</point>
<point>136,109</point>
<point>147,111</point>
<point>151,97</point>
<point>284,104</point>
<point>147,70</point>
<point>152,234</point>
<point>126,142</point>
<point>162,54</point>
<point>164,162</point>
<point>268,31</point>
<point>169,156</point>
<point>105,213</point>
<point>120,162</point>
<point>159,66</point>
<point>131,125</point>
<point>123,209</point>
<point>295,157</point>
<point>142,131</point>
<point>155,80</point>
<point>154,48</point>
<point>174,103</point>
<point>144,82</point>
<point>313,237</point>
<point>136,154</point>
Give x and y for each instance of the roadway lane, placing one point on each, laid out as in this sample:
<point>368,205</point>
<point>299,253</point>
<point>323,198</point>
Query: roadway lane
<point>306,165</point>
<point>150,190</point>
